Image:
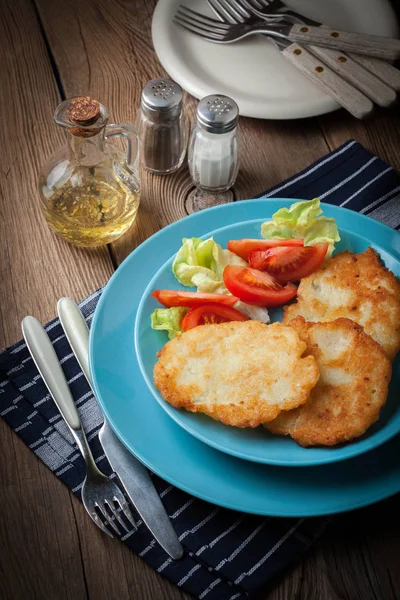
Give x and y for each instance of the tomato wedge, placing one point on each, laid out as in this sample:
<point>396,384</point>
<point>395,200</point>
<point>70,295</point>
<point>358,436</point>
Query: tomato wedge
<point>179,298</point>
<point>210,313</point>
<point>257,288</point>
<point>243,247</point>
<point>289,264</point>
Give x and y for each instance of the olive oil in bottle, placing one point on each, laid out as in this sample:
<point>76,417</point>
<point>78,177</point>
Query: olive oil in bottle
<point>89,189</point>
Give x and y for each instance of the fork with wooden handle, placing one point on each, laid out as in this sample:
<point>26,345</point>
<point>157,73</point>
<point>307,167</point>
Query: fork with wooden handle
<point>354,73</point>
<point>348,96</point>
<point>276,9</point>
<point>308,31</point>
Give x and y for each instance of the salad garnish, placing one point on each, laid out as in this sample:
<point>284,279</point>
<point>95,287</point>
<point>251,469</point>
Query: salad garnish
<point>249,276</point>
<point>169,319</point>
<point>302,220</point>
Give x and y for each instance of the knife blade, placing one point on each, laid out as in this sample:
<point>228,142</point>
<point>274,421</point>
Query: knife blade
<point>141,491</point>
<point>132,473</point>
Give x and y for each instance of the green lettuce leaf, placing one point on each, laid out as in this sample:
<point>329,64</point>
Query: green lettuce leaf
<point>302,220</point>
<point>223,258</point>
<point>195,256</point>
<point>322,230</point>
<point>168,319</point>
<point>209,283</point>
<point>271,230</point>
<point>201,263</point>
<point>299,215</point>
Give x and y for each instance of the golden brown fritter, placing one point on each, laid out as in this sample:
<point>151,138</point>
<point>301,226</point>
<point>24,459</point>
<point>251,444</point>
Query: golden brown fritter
<point>355,286</point>
<point>240,373</point>
<point>352,388</point>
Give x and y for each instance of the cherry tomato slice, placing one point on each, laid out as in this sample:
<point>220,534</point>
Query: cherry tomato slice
<point>210,313</point>
<point>257,288</point>
<point>243,247</point>
<point>289,264</point>
<point>170,298</point>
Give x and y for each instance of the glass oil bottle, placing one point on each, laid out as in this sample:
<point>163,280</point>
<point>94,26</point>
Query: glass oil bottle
<point>89,189</point>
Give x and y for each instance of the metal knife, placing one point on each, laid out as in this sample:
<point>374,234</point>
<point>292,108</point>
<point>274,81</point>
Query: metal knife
<point>131,472</point>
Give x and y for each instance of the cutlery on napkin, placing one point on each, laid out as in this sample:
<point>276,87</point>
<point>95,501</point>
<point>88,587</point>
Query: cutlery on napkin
<point>101,496</point>
<point>131,472</point>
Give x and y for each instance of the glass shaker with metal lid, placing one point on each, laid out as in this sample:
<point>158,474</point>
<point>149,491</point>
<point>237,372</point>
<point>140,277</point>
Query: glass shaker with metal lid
<point>214,145</point>
<point>162,126</point>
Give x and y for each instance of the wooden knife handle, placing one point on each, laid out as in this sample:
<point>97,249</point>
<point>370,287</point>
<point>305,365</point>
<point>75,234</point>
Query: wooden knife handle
<point>346,41</point>
<point>380,68</point>
<point>363,79</point>
<point>354,101</point>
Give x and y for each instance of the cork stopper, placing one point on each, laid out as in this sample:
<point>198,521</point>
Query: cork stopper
<point>82,116</point>
<point>83,110</point>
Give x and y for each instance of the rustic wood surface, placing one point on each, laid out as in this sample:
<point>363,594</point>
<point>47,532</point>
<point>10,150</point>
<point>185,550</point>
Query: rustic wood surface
<point>52,50</point>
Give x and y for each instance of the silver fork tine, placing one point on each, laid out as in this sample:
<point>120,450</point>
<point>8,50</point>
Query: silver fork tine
<point>112,509</point>
<point>122,503</point>
<point>275,10</point>
<point>245,7</point>
<point>204,18</point>
<point>248,6</point>
<point>219,11</point>
<point>259,5</point>
<point>195,17</point>
<point>193,28</point>
<point>190,21</point>
<point>226,12</point>
<point>255,4</point>
<point>237,11</point>
<point>108,519</point>
<point>95,517</point>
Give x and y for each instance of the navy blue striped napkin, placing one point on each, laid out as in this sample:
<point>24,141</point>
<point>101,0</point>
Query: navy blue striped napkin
<point>228,555</point>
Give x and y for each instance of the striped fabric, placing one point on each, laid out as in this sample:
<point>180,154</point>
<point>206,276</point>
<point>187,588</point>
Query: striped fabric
<point>228,555</point>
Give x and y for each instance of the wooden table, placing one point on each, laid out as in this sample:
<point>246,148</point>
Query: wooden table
<point>52,50</point>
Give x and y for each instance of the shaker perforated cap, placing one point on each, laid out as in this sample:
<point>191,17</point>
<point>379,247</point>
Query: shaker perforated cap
<point>162,95</point>
<point>217,113</point>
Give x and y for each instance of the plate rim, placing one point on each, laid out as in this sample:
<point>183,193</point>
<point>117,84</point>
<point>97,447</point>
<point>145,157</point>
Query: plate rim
<point>390,487</point>
<point>198,89</point>
<point>175,415</point>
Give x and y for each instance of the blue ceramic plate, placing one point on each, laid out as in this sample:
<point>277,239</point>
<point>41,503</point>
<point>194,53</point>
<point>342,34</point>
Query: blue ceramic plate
<point>259,445</point>
<point>177,456</point>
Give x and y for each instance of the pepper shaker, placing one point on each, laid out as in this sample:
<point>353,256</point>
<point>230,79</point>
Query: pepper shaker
<point>162,126</point>
<point>214,144</point>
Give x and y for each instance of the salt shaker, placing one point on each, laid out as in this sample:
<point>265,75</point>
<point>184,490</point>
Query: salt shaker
<point>162,126</point>
<point>213,147</point>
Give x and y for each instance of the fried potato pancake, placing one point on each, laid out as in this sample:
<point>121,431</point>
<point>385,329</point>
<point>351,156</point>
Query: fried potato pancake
<point>240,373</point>
<point>355,286</point>
<point>352,388</point>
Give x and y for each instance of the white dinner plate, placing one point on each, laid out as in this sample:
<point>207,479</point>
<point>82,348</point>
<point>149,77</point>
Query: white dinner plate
<point>253,72</point>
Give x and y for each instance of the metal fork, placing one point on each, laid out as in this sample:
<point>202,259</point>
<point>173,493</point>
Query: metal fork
<point>224,33</point>
<point>276,9</point>
<point>340,40</point>
<point>240,11</point>
<point>100,494</point>
<point>244,12</point>
<point>267,9</point>
<point>345,94</point>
